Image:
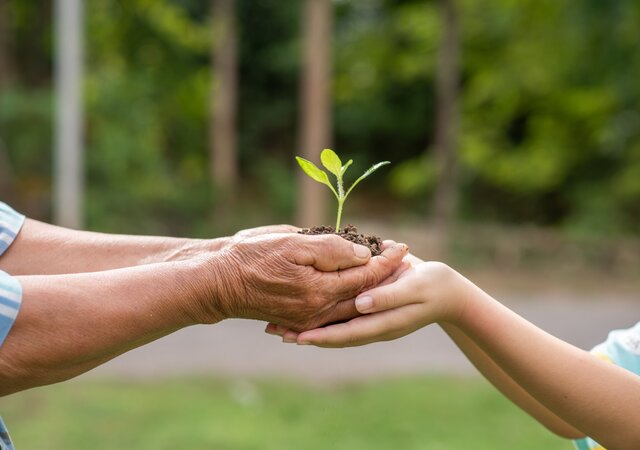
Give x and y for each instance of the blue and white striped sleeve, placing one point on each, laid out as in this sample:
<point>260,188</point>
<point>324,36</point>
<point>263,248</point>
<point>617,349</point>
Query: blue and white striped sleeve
<point>10,290</point>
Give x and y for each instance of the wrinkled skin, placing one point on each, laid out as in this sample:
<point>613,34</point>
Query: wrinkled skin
<point>260,231</point>
<point>294,280</point>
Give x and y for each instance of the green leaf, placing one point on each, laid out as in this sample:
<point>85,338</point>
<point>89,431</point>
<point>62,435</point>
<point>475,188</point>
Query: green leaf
<point>346,166</point>
<point>331,161</point>
<point>316,174</point>
<point>366,174</point>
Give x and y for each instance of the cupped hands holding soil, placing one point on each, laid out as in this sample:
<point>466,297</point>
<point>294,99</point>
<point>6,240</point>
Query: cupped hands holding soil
<point>350,233</point>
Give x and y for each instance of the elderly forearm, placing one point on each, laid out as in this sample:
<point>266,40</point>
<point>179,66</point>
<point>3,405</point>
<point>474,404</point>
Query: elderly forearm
<point>69,324</point>
<point>597,398</point>
<point>43,249</point>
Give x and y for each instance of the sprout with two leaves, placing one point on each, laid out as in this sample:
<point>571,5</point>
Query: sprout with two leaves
<point>333,164</point>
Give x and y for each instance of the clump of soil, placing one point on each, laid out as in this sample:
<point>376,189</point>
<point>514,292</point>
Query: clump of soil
<point>350,233</point>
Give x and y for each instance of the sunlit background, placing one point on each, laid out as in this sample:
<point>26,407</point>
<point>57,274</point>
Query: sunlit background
<point>513,128</point>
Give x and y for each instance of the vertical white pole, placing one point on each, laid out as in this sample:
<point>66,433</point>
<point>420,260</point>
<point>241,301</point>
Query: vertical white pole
<point>68,156</point>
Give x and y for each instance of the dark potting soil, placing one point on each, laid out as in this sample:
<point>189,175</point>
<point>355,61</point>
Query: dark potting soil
<point>350,233</point>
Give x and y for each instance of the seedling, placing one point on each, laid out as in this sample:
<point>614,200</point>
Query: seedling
<point>333,164</point>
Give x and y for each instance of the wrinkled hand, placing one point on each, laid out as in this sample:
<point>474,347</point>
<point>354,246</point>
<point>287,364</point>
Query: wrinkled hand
<point>267,229</point>
<point>417,294</point>
<point>193,248</point>
<point>298,281</point>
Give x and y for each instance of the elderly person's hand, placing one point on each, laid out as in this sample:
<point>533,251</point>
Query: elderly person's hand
<point>298,281</point>
<point>85,297</point>
<point>260,231</point>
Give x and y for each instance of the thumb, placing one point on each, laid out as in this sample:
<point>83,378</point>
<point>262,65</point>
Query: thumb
<point>390,296</point>
<point>330,252</point>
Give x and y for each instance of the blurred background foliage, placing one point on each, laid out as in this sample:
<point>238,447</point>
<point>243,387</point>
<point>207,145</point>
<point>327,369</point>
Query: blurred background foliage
<point>547,170</point>
<point>550,121</point>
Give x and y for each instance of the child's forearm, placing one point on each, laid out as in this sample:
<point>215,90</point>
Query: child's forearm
<point>598,398</point>
<point>496,376</point>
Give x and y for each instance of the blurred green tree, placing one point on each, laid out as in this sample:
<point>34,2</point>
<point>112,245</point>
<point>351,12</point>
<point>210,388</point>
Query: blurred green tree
<point>445,198</point>
<point>223,157</point>
<point>549,131</point>
<point>316,106</point>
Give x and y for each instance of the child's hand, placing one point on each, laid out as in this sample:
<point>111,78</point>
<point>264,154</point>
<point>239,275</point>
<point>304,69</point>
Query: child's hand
<point>418,295</point>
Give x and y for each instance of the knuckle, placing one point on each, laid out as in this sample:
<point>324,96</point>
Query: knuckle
<point>389,263</point>
<point>371,277</point>
<point>437,266</point>
<point>332,240</point>
<point>435,271</point>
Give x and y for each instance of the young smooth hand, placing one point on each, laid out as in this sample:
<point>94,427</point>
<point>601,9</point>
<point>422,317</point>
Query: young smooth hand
<point>568,390</point>
<point>417,294</point>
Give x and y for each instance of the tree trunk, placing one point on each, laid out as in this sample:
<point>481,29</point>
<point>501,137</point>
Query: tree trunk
<point>7,192</point>
<point>69,155</point>
<point>6,62</point>
<point>447,86</point>
<point>315,110</point>
<point>222,144</point>
<point>6,77</point>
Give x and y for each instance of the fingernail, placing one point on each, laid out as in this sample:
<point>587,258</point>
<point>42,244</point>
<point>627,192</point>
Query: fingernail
<point>361,251</point>
<point>288,340</point>
<point>364,303</point>
<point>304,342</point>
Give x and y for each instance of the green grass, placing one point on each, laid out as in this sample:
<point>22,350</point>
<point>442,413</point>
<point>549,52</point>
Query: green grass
<point>418,413</point>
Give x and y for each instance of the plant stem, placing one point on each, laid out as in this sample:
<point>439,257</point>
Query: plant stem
<point>340,203</point>
<point>341,199</point>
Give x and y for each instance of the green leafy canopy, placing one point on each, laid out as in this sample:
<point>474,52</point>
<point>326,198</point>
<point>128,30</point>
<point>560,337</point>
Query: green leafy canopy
<point>332,162</point>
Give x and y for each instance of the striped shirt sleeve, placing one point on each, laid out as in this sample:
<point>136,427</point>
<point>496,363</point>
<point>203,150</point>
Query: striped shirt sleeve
<point>10,290</point>
<point>5,439</point>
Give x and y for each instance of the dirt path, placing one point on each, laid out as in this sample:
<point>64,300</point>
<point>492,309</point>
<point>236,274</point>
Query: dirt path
<point>240,348</point>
